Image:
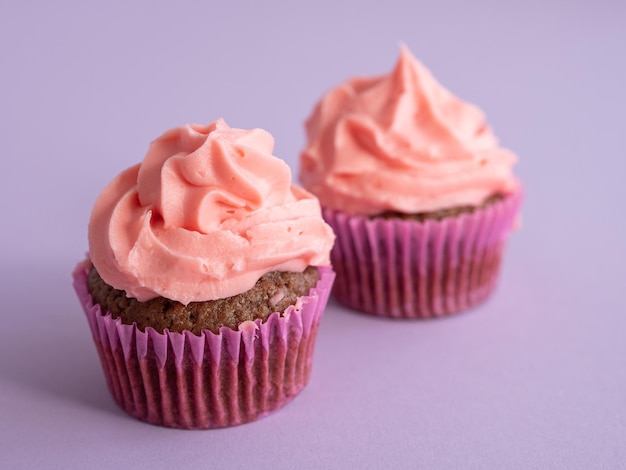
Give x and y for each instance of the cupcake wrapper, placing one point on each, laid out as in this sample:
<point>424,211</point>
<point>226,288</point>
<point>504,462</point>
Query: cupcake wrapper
<point>183,380</point>
<point>410,269</point>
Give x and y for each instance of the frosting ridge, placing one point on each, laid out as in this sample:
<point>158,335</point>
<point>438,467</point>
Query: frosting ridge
<point>204,216</point>
<point>401,142</point>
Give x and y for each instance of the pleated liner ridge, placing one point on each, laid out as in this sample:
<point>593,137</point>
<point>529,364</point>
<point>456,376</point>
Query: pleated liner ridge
<point>209,380</point>
<point>409,269</point>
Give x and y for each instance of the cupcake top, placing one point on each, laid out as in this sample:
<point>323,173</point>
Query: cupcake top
<point>204,216</point>
<point>401,142</point>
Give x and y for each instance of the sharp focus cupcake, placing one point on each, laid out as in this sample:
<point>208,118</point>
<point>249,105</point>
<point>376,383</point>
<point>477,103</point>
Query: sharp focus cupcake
<point>207,277</point>
<point>418,191</point>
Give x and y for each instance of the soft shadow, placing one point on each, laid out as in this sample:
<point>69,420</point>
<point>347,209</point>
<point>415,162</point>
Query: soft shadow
<point>45,342</point>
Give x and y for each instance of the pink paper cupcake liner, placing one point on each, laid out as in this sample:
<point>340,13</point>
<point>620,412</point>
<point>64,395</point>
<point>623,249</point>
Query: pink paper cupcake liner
<point>409,269</point>
<point>189,381</point>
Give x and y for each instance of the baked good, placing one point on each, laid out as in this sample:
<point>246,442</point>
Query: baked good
<point>417,189</point>
<point>207,277</point>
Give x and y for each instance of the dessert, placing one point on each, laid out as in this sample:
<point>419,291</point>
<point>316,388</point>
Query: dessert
<point>207,277</point>
<point>417,189</point>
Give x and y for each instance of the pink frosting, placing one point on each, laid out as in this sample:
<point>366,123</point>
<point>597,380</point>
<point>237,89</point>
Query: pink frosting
<point>401,142</point>
<point>207,213</point>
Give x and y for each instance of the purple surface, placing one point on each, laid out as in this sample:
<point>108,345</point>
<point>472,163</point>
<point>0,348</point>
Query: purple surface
<point>534,378</point>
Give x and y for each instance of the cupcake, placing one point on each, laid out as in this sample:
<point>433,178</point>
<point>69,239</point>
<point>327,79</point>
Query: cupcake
<point>207,276</point>
<point>418,191</point>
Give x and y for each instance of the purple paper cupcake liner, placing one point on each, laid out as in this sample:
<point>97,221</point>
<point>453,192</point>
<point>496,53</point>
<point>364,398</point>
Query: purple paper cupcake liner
<point>189,381</point>
<point>409,269</point>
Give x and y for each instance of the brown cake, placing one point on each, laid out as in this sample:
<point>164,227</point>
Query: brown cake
<point>441,213</point>
<point>274,292</point>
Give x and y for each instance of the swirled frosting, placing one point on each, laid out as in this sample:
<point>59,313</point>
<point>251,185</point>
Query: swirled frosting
<point>401,142</point>
<point>204,216</point>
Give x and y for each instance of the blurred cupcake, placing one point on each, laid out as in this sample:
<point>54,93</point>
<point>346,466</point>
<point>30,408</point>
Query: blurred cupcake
<point>206,281</point>
<point>417,190</point>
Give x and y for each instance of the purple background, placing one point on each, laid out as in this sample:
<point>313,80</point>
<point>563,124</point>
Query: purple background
<point>534,378</point>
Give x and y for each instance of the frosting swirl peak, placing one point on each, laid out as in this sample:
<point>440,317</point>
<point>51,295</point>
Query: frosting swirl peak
<point>401,142</point>
<point>207,213</point>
